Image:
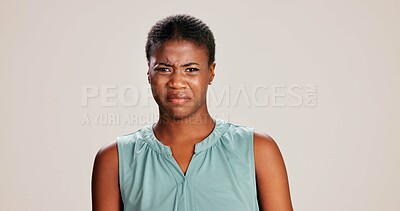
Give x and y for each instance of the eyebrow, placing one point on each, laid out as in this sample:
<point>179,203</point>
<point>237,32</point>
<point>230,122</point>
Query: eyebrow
<point>185,65</point>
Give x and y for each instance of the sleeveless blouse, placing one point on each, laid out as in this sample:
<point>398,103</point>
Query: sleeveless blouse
<point>220,175</point>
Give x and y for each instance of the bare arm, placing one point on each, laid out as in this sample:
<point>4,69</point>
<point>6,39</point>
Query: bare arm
<point>105,184</point>
<point>272,180</point>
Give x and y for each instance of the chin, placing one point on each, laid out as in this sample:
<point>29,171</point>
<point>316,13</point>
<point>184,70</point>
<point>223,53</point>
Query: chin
<point>177,116</point>
<point>179,113</point>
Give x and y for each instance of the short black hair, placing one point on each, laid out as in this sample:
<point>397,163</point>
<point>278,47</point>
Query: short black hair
<point>181,27</point>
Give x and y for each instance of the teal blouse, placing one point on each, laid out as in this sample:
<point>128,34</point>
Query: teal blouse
<point>220,175</point>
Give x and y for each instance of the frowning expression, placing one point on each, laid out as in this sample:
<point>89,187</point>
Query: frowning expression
<point>179,75</point>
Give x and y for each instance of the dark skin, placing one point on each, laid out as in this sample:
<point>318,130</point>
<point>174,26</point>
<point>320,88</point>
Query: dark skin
<point>179,75</point>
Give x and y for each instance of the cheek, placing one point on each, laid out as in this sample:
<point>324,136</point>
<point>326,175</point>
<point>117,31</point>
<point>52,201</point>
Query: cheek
<point>157,87</point>
<point>154,79</point>
<point>157,81</point>
<point>199,86</point>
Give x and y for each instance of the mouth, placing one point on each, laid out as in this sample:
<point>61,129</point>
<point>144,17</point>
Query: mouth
<point>178,99</point>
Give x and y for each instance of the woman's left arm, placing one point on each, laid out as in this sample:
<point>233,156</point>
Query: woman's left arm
<point>272,180</point>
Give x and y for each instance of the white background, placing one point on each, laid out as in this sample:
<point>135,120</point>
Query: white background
<point>341,154</point>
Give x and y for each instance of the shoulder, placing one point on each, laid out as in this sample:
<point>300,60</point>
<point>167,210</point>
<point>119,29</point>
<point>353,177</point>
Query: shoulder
<point>237,130</point>
<point>109,152</point>
<point>133,138</point>
<point>267,155</point>
<point>107,156</point>
<point>264,144</point>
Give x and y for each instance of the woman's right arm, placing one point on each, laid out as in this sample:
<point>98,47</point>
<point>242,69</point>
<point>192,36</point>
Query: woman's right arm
<point>105,180</point>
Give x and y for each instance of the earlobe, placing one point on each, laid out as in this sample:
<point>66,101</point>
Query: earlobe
<point>211,79</point>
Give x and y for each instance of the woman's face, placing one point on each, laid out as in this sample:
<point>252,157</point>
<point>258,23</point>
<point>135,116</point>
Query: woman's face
<point>179,75</point>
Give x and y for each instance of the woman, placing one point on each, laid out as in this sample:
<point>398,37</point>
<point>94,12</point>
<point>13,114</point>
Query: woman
<point>188,160</point>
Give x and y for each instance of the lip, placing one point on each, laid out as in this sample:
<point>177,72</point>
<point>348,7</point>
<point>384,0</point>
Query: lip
<point>178,98</point>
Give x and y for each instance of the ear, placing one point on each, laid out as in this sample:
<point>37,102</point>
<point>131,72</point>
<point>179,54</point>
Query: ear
<point>212,73</point>
<point>148,75</point>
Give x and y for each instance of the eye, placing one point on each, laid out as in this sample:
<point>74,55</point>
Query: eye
<point>162,69</point>
<point>192,69</point>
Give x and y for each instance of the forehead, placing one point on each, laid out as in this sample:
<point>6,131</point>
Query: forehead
<point>179,51</point>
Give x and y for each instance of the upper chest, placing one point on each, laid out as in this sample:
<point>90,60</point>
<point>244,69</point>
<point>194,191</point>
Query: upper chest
<point>182,156</point>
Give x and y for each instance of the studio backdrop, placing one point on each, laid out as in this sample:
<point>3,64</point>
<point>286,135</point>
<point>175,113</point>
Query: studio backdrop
<point>320,77</point>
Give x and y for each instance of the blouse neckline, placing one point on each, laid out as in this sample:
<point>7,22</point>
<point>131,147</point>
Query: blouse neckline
<point>219,128</point>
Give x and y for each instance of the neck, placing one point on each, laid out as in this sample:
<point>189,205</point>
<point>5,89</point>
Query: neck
<point>188,130</point>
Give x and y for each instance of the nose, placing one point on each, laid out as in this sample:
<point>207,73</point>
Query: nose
<point>177,80</point>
